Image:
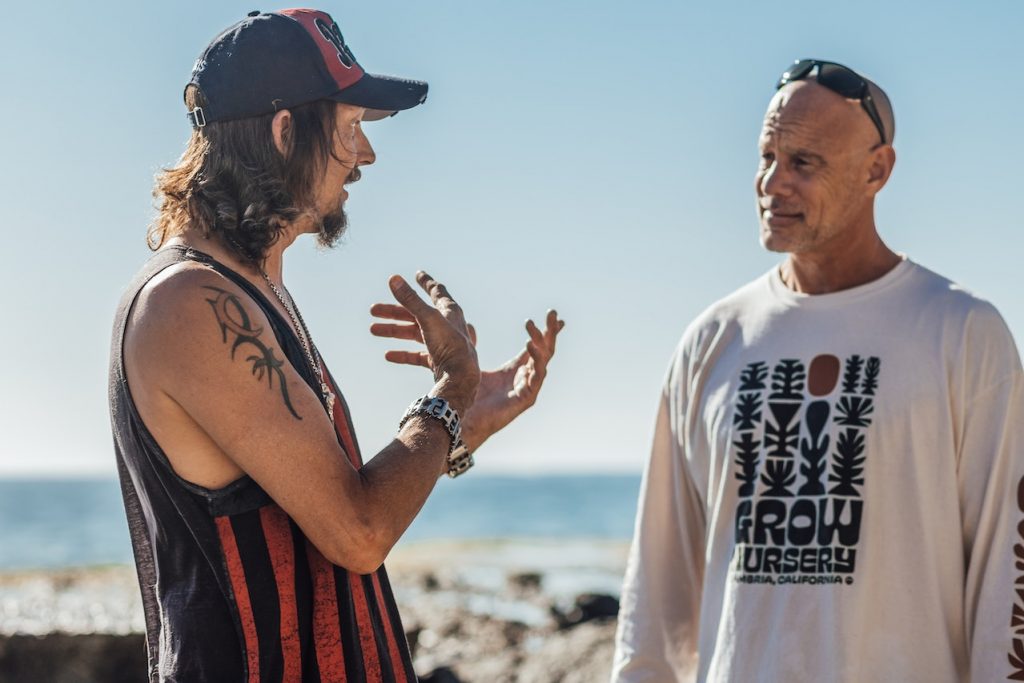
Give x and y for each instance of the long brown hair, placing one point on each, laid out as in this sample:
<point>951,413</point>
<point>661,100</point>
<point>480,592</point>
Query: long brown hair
<point>233,184</point>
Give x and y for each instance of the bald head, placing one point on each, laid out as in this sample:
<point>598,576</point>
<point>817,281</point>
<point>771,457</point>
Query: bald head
<point>819,112</point>
<point>847,83</point>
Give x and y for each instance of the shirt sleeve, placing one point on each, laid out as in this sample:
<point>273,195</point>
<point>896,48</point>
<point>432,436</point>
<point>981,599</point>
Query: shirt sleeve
<point>991,490</point>
<point>656,639</point>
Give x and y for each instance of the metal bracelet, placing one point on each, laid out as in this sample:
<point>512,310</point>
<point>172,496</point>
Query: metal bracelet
<point>459,460</point>
<point>439,409</point>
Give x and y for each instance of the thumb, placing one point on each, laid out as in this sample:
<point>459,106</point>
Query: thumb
<point>405,295</point>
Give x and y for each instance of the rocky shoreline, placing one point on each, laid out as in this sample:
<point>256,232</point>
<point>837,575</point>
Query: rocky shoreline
<point>480,612</point>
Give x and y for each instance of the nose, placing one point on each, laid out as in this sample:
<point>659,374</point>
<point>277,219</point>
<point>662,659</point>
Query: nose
<point>365,154</point>
<point>772,180</point>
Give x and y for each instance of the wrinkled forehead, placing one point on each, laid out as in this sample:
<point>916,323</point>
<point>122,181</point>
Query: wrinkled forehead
<point>806,114</point>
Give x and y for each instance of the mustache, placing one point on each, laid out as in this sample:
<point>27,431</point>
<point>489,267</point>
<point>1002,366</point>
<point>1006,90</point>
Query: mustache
<point>778,207</point>
<point>354,175</point>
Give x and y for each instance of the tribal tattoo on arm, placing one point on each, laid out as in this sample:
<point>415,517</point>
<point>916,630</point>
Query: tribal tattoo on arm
<point>232,317</point>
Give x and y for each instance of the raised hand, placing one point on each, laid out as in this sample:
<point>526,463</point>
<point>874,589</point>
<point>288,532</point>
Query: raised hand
<point>450,352</point>
<point>504,393</point>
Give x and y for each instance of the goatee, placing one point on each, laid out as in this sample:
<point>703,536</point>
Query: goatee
<point>333,225</point>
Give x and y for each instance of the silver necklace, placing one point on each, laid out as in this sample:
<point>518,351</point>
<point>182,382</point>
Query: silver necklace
<point>312,355</point>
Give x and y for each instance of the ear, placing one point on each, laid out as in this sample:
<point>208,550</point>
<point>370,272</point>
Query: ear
<point>880,166</point>
<point>281,128</point>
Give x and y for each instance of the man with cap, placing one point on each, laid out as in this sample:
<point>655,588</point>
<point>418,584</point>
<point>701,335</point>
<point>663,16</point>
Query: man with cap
<point>832,489</point>
<point>258,531</point>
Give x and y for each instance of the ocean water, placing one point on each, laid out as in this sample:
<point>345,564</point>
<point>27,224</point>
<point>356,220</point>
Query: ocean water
<point>81,522</point>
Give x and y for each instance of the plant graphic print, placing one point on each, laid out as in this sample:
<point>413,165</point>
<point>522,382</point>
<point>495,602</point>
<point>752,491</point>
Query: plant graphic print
<point>800,453</point>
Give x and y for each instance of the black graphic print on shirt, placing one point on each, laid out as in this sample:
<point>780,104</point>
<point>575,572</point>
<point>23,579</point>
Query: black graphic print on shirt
<point>1016,653</point>
<point>800,456</point>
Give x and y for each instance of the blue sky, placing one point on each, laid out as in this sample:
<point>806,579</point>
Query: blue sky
<point>593,156</point>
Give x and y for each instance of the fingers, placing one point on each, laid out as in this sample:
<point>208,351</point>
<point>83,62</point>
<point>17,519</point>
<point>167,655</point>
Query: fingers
<point>552,326</point>
<point>408,332</point>
<point>541,346</point>
<point>420,358</point>
<point>409,299</point>
<point>441,298</point>
<point>537,347</point>
<point>435,289</point>
<point>440,326</point>
<point>540,359</point>
<point>535,335</point>
<point>391,312</point>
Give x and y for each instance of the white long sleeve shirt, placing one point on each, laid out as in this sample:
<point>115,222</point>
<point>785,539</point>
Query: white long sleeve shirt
<point>832,494</point>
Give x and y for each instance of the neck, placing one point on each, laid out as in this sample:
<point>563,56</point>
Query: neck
<point>273,264</point>
<point>851,263</point>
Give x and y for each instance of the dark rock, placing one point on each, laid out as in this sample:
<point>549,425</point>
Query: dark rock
<point>451,629</point>
<point>72,658</point>
<point>430,582</point>
<point>442,674</point>
<point>586,607</point>
<point>514,632</point>
<point>526,581</point>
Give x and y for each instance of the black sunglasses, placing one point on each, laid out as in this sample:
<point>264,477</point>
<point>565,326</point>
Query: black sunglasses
<point>839,79</point>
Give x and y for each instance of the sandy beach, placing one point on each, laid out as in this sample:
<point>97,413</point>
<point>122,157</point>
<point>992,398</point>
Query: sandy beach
<point>509,611</point>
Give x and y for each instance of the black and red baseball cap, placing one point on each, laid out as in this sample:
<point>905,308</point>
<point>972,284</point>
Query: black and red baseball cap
<point>275,60</point>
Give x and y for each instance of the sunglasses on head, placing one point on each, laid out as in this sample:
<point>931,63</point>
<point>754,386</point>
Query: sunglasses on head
<point>839,79</point>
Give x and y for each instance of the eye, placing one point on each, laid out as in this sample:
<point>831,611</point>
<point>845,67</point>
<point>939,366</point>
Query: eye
<point>804,165</point>
<point>767,159</point>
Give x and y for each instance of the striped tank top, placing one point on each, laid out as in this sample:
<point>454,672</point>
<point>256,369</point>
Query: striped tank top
<point>231,588</point>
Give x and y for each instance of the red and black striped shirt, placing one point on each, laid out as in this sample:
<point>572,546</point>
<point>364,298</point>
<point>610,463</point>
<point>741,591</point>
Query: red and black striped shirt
<point>232,589</point>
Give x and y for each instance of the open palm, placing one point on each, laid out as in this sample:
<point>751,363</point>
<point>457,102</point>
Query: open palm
<point>504,393</point>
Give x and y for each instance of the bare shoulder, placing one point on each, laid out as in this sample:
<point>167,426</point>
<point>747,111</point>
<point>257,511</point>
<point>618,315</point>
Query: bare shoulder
<point>185,307</point>
<point>190,323</point>
<point>179,292</point>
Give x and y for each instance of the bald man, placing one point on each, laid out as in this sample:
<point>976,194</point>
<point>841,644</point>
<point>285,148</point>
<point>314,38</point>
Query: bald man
<point>832,494</point>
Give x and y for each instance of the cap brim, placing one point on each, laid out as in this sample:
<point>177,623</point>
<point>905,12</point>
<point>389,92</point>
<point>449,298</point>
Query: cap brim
<point>382,96</point>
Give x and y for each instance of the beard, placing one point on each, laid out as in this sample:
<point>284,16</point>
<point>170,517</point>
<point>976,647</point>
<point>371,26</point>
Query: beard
<point>332,227</point>
<point>334,224</point>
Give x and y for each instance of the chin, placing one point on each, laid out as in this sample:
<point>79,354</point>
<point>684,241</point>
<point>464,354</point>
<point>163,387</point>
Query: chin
<point>774,242</point>
<point>332,227</point>
<point>790,239</point>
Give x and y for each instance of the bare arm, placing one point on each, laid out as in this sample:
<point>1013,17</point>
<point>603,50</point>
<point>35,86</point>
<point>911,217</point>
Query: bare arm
<point>198,343</point>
